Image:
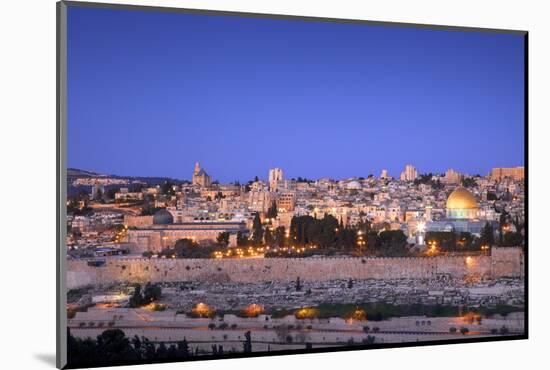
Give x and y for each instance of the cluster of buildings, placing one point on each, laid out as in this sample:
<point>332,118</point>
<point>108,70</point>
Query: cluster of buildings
<point>203,209</point>
<point>93,229</point>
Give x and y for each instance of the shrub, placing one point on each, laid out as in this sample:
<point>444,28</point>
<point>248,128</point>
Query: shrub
<point>452,330</point>
<point>464,330</point>
<point>368,340</point>
<point>211,326</point>
<point>504,330</point>
<point>223,325</point>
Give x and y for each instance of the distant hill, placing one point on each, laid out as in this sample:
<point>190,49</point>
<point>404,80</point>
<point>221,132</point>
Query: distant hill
<point>75,172</point>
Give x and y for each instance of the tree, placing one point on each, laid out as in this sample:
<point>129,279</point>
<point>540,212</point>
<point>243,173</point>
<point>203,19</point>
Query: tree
<point>272,211</point>
<point>223,238</point>
<point>468,182</point>
<point>183,348</point>
<point>504,330</point>
<point>519,224</point>
<point>257,230</point>
<point>114,347</point>
<point>280,236</point>
<point>136,300</point>
<point>268,237</point>
<point>491,196</point>
<point>501,224</point>
<point>149,349</point>
<point>247,344</point>
<point>242,240</point>
<point>464,330</point>
<point>512,239</point>
<point>162,351</point>
<point>184,247</point>
<point>172,351</point>
<point>298,284</point>
<point>370,339</point>
<point>350,283</point>
<point>136,343</point>
<point>151,293</point>
<point>487,236</point>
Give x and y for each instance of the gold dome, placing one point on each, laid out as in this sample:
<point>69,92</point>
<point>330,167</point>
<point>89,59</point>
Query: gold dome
<point>461,198</point>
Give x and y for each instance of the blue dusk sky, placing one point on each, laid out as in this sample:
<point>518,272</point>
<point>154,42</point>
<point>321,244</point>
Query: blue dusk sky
<point>151,93</point>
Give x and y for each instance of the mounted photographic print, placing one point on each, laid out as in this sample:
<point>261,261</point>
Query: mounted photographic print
<point>235,185</point>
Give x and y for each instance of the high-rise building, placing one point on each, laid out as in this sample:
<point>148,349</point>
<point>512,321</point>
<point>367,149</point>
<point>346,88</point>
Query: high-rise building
<point>200,177</point>
<point>275,176</point>
<point>409,174</point>
<point>286,201</point>
<point>516,173</point>
<point>260,200</point>
<point>451,177</point>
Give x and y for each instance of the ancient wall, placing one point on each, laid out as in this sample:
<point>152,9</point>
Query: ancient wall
<point>500,263</point>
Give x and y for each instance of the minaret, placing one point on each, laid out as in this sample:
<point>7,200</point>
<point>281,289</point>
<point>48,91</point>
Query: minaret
<point>197,168</point>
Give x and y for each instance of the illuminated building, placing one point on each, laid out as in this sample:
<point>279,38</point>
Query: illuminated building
<point>160,231</point>
<point>462,214</point>
<point>451,177</point>
<point>409,174</point>
<point>275,176</point>
<point>286,201</point>
<point>516,173</point>
<point>200,177</point>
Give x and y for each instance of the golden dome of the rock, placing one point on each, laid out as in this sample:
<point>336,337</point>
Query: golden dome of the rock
<point>461,198</point>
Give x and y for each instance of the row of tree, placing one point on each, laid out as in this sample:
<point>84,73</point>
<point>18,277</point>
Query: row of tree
<point>112,347</point>
<point>328,236</point>
<point>188,248</point>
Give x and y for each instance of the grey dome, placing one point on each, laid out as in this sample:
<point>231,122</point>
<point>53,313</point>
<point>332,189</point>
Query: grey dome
<point>163,217</point>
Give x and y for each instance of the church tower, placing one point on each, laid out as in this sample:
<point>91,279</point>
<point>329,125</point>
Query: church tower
<point>200,177</point>
<point>197,168</point>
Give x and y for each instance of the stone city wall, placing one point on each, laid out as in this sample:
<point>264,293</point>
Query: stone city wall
<point>507,262</point>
